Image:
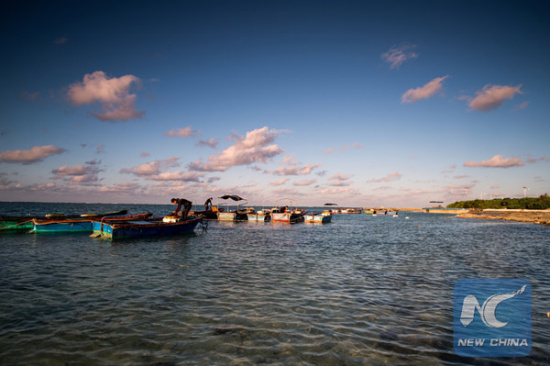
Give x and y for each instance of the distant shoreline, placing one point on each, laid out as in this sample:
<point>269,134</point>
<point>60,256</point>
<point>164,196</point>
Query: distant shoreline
<point>536,216</point>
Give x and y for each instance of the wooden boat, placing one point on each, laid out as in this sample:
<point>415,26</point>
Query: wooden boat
<point>15,224</point>
<point>206,214</point>
<point>167,226</point>
<point>24,224</point>
<point>287,215</point>
<point>209,213</point>
<point>386,212</point>
<point>261,216</point>
<point>350,211</point>
<point>235,215</point>
<point>319,217</point>
<point>82,224</point>
<point>291,217</point>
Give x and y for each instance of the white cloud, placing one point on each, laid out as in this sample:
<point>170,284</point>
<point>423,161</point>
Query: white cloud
<point>296,170</point>
<point>389,178</point>
<point>423,92</point>
<point>181,132</point>
<point>33,155</point>
<point>396,55</point>
<point>492,97</point>
<point>256,147</point>
<point>303,183</point>
<point>76,170</point>
<point>177,176</point>
<point>113,95</point>
<point>279,182</point>
<point>152,168</point>
<point>497,161</point>
<point>212,143</point>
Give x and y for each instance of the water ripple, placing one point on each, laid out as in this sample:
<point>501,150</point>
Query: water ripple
<point>359,291</point>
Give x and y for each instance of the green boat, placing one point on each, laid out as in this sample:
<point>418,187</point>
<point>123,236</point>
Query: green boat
<point>25,224</point>
<point>15,224</point>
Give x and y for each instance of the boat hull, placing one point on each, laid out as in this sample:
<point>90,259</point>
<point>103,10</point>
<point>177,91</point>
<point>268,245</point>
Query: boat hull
<point>62,226</point>
<point>15,225</point>
<point>290,218</point>
<point>318,219</point>
<point>261,217</point>
<point>231,216</point>
<point>140,229</point>
<point>77,225</point>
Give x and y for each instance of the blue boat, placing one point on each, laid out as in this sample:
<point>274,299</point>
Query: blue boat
<point>169,225</point>
<point>57,224</point>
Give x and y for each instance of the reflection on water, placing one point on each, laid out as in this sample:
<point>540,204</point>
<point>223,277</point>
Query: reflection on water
<point>362,290</point>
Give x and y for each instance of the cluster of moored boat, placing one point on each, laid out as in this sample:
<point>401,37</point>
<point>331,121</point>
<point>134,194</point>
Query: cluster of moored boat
<point>121,225</point>
<point>276,214</point>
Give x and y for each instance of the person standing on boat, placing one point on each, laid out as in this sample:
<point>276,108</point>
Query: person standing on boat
<point>186,207</point>
<point>208,204</point>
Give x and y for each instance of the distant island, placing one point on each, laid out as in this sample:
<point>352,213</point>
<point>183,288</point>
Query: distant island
<point>527,203</point>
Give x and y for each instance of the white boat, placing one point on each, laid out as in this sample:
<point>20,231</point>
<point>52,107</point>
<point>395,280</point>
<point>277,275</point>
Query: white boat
<point>261,216</point>
<point>319,217</point>
<point>287,214</point>
<point>235,215</point>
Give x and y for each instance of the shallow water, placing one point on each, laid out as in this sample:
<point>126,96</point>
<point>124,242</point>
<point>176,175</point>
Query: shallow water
<point>362,290</point>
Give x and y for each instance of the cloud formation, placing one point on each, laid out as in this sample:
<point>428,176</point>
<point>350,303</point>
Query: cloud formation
<point>339,180</point>
<point>423,92</point>
<point>492,97</point>
<point>79,174</point>
<point>152,168</point>
<point>113,95</point>
<point>75,170</point>
<point>304,183</point>
<point>181,132</point>
<point>296,170</point>
<point>497,161</point>
<point>33,155</point>
<point>178,176</point>
<point>256,147</point>
<point>120,188</point>
<point>389,178</point>
<point>279,182</point>
<point>211,143</point>
<point>396,55</point>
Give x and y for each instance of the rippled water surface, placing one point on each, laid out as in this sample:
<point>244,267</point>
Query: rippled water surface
<point>360,291</point>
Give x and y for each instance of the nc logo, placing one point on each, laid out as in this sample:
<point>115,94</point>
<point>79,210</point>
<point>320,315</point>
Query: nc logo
<point>502,325</point>
<point>487,310</point>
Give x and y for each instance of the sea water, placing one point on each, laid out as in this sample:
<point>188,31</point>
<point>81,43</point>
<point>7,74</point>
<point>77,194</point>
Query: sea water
<point>361,290</point>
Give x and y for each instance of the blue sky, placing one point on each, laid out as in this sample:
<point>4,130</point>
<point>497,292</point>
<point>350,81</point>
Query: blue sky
<point>356,102</point>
